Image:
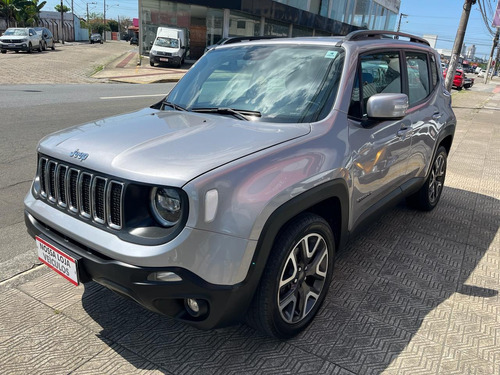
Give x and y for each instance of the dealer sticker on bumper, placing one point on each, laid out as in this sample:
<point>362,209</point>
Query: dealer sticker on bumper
<point>58,260</point>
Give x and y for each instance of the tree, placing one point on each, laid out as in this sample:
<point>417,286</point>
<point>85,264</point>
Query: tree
<point>9,10</point>
<point>65,9</point>
<point>22,12</point>
<point>30,13</point>
<point>112,24</point>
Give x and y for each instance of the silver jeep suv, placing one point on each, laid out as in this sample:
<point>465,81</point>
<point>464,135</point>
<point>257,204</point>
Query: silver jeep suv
<point>228,199</point>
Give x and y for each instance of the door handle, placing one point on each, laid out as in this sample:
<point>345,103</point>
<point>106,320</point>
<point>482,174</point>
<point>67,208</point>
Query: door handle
<point>437,116</point>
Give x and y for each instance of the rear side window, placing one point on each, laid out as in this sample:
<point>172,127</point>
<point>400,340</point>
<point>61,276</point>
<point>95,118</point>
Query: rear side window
<point>434,72</point>
<point>418,76</point>
<point>380,73</point>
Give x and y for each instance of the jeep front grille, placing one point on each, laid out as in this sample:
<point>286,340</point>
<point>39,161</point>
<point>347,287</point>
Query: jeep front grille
<point>81,192</point>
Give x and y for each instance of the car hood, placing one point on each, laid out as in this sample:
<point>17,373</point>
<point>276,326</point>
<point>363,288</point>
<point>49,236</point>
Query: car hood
<point>164,147</point>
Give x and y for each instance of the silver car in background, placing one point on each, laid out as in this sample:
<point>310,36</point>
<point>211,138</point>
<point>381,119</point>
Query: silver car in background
<point>228,199</point>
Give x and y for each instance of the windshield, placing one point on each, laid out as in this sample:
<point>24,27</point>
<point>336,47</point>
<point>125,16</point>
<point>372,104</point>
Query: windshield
<point>284,83</point>
<point>17,32</point>
<point>167,42</point>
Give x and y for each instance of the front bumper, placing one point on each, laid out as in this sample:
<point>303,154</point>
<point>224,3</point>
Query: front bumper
<point>174,60</point>
<point>226,304</point>
<point>14,47</point>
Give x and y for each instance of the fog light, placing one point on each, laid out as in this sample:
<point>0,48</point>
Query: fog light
<point>193,305</point>
<point>164,276</point>
<point>196,307</point>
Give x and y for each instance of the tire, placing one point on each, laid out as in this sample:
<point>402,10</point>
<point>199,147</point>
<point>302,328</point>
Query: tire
<point>429,194</point>
<point>53,46</point>
<point>29,48</point>
<point>44,47</point>
<point>296,278</point>
<point>4,51</point>
<point>151,63</point>
<point>40,47</point>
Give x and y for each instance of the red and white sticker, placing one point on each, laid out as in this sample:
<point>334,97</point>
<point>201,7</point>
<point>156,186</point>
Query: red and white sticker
<point>58,260</point>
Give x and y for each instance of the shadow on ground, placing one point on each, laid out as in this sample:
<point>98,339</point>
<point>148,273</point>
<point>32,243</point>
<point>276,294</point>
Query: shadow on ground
<point>394,284</point>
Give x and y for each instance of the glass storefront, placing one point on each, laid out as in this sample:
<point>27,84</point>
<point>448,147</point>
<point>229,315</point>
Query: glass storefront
<point>206,24</point>
<point>276,28</point>
<point>242,24</point>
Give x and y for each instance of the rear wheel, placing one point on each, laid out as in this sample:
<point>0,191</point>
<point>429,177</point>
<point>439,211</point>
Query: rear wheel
<point>53,46</point>
<point>4,51</point>
<point>429,194</point>
<point>296,278</point>
<point>44,46</point>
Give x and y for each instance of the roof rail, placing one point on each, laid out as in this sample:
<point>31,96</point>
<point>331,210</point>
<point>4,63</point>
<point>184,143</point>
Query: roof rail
<point>379,34</point>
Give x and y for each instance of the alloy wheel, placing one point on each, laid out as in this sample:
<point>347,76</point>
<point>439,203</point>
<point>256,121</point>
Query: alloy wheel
<point>302,278</point>
<point>437,178</point>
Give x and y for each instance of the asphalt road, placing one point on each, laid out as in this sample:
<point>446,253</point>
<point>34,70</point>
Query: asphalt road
<point>27,114</point>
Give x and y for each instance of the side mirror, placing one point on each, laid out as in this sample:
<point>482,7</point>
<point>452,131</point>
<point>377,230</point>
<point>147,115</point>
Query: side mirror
<point>151,43</point>
<point>387,106</point>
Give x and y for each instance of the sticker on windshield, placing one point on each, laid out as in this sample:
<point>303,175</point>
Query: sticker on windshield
<point>331,54</point>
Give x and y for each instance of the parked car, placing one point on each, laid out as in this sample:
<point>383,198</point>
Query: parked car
<point>95,38</point>
<point>47,38</point>
<point>134,40</point>
<point>20,39</point>
<point>230,197</point>
<point>468,82</point>
<point>458,79</point>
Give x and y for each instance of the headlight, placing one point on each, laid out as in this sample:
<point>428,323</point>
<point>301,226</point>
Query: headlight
<point>167,206</point>
<point>153,52</point>
<point>24,40</point>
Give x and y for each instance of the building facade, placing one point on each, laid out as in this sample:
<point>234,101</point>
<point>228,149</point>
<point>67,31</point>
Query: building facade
<point>209,21</point>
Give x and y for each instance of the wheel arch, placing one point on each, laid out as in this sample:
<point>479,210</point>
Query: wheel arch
<point>329,200</point>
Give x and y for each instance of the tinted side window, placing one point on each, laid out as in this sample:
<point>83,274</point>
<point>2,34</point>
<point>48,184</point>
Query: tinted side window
<point>418,76</point>
<point>434,72</point>
<point>380,73</point>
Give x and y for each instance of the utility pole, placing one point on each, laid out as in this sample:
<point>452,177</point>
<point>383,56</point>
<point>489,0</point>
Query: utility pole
<point>104,31</point>
<point>73,20</point>
<point>495,42</point>
<point>457,46</point>
<point>62,23</point>
<point>90,30</point>
<point>399,23</point>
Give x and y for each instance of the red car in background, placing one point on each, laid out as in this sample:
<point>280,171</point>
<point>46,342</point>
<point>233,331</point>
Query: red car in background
<point>458,80</point>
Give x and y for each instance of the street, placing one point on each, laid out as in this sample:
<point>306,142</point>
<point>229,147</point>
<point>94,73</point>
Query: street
<point>29,112</point>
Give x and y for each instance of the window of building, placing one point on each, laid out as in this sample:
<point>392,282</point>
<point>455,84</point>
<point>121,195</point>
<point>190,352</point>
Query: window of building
<point>242,24</point>
<point>276,28</point>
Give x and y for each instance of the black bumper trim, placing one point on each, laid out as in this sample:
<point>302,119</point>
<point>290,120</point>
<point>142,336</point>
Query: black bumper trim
<point>227,304</point>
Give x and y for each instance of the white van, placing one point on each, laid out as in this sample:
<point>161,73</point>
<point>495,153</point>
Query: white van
<point>171,46</point>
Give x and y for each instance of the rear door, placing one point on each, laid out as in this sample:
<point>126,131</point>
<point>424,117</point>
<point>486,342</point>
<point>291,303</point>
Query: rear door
<point>426,114</point>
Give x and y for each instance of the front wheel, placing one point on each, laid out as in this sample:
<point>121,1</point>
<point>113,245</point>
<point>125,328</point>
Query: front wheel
<point>429,194</point>
<point>296,278</point>
<point>29,48</point>
<point>151,62</point>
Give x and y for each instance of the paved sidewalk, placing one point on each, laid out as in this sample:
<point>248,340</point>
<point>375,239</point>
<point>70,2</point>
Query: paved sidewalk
<point>132,68</point>
<point>416,293</point>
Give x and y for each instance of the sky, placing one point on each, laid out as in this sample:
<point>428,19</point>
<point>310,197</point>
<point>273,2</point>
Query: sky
<point>114,8</point>
<point>438,17</point>
<point>441,18</point>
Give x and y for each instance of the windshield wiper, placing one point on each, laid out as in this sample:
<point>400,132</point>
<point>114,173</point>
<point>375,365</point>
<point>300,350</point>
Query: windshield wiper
<point>238,113</point>
<point>172,105</point>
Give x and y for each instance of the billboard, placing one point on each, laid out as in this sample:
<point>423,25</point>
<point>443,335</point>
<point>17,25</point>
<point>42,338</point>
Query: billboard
<point>496,19</point>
